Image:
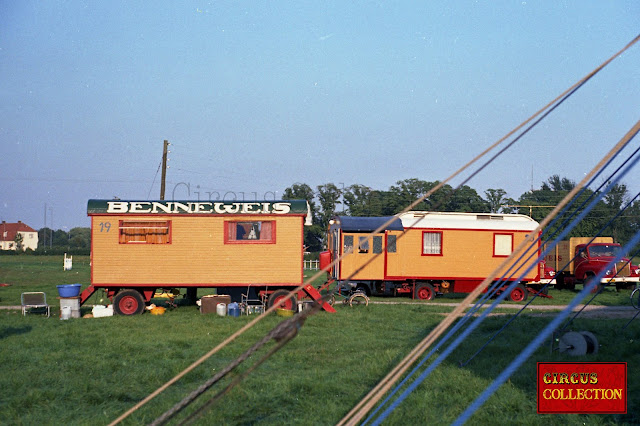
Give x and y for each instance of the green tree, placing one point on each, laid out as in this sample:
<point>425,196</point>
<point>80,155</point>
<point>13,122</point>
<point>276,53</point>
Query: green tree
<point>314,234</point>
<point>19,242</point>
<point>356,199</point>
<point>539,203</point>
<point>61,238</point>
<point>328,196</point>
<point>80,238</point>
<point>496,199</point>
<point>466,199</point>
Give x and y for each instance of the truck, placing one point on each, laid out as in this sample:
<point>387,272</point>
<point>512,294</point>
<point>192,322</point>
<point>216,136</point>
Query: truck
<point>423,254</point>
<point>580,259</point>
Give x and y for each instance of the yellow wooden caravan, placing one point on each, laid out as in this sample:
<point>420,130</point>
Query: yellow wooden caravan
<point>424,253</point>
<point>248,247</point>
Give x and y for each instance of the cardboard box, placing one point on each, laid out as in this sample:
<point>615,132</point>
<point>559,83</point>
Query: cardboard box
<point>208,304</point>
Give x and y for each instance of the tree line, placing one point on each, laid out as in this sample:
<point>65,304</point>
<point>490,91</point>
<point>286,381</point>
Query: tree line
<point>616,215</point>
<point>76,241</point>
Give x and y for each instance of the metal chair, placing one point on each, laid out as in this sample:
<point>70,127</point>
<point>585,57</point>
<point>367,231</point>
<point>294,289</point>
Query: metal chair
<point>34,300</point>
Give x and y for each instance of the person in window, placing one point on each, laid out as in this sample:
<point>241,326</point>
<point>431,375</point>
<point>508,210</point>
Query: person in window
<point>240,232</point>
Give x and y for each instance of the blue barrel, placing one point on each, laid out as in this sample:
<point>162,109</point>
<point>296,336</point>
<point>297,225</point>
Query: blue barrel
<point>234,309</point>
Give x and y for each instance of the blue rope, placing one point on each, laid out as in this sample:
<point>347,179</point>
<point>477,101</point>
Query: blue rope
<point>528,351</point>
<point>441,342</point>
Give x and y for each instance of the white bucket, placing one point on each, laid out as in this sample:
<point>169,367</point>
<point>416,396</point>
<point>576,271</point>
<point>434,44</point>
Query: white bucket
<point>221,309</point>
<point>65,313</point>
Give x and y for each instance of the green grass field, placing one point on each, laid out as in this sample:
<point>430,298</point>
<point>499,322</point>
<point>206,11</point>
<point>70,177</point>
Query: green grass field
<point>90,371</point>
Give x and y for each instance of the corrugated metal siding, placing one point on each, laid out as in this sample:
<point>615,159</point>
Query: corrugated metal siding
<point>197,254</point>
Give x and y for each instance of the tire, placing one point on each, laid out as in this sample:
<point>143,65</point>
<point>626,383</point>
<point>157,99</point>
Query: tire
<point>559,281</point>
<point>519,293</point>
<point>332,300</point>
<point>358,299</point>
<point>424,291</point>
<point>587,280</point>
<point>279,295</point>
<point>128,302</point>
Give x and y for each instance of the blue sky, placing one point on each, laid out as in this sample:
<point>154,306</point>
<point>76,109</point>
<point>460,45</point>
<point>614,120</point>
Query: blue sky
<point>255,96</point>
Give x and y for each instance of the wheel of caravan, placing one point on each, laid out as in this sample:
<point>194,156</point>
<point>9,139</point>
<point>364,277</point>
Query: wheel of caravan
<point>424,291</point>
<point>278,296</point>
<point>128,302</point>
<point>518,294</point>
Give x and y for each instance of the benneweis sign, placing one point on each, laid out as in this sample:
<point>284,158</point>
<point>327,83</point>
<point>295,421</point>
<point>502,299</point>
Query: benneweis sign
<point>296,207</point>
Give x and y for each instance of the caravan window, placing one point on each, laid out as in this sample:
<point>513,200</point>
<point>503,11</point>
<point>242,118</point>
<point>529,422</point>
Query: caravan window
<point>145,232</point>
<point>348,244</point>
<point>377,244</point>
<point>502,244</point>
<point>432,243</point>
<point>250,232</point>
<point>391,243</point>
<point>363,244</point>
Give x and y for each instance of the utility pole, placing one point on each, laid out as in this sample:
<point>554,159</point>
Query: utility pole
<point>165,150</point>
<point>44,231</point>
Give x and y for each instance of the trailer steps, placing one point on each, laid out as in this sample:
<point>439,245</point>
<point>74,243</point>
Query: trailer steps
<point>317,297</point>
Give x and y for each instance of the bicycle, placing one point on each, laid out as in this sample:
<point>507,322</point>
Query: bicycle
<point>349,295</point>
<point>635,298</point>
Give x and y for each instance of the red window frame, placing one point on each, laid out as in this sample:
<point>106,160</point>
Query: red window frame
<point>441,244</point>
<point>228,232</point>
<point>495,234</point>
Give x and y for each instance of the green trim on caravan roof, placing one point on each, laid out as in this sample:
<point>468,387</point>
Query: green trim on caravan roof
<point>164,207</point>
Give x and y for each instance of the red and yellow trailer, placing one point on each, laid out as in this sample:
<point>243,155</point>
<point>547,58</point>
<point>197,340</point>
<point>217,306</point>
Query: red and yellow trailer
<point>428,253</point>
<point>253,248</point>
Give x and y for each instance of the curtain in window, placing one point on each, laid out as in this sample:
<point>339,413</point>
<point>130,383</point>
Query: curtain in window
<point>144,232</point>
<point>431,243</point>
<point>266,231</point>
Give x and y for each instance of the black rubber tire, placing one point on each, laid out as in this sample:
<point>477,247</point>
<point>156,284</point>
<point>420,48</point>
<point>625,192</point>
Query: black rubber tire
<point>519,293</point>
<point>275,297</point>
<point>128,302</point>
<point>424,291</point>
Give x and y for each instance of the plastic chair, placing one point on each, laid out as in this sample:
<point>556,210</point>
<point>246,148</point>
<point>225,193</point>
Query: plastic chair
<point>34,300</point>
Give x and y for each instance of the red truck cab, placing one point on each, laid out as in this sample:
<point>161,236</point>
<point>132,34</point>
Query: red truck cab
<point>591,259</point>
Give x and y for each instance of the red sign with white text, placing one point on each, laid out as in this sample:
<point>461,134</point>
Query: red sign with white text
<point>582,387</point>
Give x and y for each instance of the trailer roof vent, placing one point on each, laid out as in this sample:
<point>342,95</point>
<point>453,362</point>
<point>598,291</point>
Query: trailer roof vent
<point>489,217</point>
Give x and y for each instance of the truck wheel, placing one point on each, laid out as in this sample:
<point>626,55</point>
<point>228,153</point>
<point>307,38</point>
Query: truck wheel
<point>278,296</point>
<point>589,276</point>
<point>128,302</point>
<point>424,291</point>
<point>518,294</point>
<point>559,281</point>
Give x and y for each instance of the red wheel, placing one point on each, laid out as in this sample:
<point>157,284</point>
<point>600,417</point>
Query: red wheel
<point>424,291</point>
<point>128,302</point>
<point>278,296</point>
<point>518,294</point>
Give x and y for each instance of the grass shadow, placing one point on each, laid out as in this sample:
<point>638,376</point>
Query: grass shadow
<point>12,331</point>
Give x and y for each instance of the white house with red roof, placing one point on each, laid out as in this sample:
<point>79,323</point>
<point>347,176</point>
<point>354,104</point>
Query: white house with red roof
<point>27,236</point>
